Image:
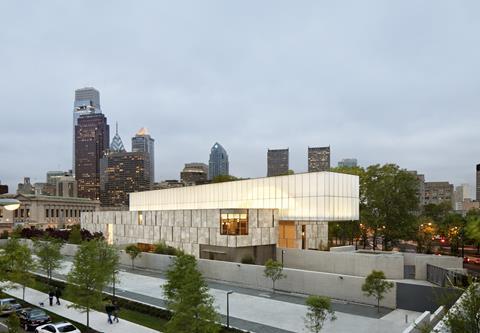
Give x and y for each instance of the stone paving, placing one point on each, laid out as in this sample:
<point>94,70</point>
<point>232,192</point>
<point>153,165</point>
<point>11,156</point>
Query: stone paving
<point>262,311</point>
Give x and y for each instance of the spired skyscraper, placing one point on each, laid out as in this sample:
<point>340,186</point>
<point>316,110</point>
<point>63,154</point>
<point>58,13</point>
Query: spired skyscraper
<point>218,162</point>
<point>143,142</point>
<point>87,101</point>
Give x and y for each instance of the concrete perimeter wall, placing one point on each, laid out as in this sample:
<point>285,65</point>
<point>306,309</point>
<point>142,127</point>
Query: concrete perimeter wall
<point>420,262</point>
<point>342,287</point>
<point>349,263</point>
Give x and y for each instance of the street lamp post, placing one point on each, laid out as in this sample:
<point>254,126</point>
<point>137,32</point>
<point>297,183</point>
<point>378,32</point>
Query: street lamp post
<point>228,308</point>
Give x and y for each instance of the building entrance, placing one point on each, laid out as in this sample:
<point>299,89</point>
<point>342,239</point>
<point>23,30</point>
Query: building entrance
<point>287,235</point>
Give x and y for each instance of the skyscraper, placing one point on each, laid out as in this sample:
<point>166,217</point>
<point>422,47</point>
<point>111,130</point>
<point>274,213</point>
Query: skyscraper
<point>117,144</point>
<point>478,183</point>
<point>87,101</point>
<point>277,162</point>
<point>318,159</point>
<point>143,142</point>
<point>123,173</point>
<point>218,162</point>
<point>92,135</point>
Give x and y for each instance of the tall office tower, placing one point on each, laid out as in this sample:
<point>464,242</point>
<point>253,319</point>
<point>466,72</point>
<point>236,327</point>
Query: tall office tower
<point>218,162</point>
<point>194,173</point>
<point>123,173</point>
<point>143,142</point>
<point>277,162</point>
<point>461,193</point>
<point>478,183</point>
<point>117,144</point>
<point>92,135</point>
<point>348,163</point>
<point>87,101</point>
<point>318,159</point>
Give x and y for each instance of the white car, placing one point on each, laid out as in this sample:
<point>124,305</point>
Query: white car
<point>57,328</point>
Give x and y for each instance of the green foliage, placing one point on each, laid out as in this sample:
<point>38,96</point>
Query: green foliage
<point>49,255</point>
<point>4,234</point>
<point>75,236</point>
<point>18,261</point>
<point>388,202</point>
<point>376,285</point>
<point>274,271</point>
<point>92,269</point>
<point>13,323</point>
<point>319,310</point>
<point>465,318</point>
<point>133,251</point>
<point>248,259</point>
<point>187,297</point>
<point>162,248</point>
<point>224,178</point>
<point>473,226</point>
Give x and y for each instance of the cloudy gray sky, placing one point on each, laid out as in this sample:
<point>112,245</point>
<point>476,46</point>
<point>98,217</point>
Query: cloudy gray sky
<point>382,81</point>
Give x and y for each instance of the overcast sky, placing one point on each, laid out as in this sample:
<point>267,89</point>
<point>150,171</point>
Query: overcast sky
<point>381,81</point>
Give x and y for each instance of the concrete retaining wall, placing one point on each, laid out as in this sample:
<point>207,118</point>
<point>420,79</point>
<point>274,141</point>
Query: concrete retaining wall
<point>420,262</point>
<point>348,263</point>
<point>346,248</point>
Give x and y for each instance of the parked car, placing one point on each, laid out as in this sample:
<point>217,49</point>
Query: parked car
<point>9,305</point>
<point>471,260</point>
<point>63,327</point>
<point>30,318</point>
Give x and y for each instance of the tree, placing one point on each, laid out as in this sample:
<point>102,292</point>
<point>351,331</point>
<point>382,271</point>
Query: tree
<point>90,274</point>
<point>473,227</point>
<point>19,263</point>
<point>465,316</point>
<point>133,251</point>
<point>49,256</point>
<point>319,310</point>
<point>13,323</point>
<point>376,285</point>
<point>274,271</point>
<point>187,297</point>
<point>75,236</point>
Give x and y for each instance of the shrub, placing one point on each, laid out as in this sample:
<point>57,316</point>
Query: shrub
<point>248,259</point>
<point>162,248</point>
<point>4,235</point>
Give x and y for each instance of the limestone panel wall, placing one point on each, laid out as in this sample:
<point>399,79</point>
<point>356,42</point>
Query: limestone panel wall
<point>183,229</point>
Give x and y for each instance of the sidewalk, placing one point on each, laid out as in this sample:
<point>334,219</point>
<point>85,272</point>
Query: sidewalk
<point>98,320</point>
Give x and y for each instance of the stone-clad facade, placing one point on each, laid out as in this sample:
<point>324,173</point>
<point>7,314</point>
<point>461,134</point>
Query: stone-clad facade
<point>183,229</point>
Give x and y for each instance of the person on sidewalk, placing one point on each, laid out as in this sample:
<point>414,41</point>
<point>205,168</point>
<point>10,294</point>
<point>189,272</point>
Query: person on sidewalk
<point>109,310</point>
<point>50,297</point>
<point>116,310</point>
<point>58,293</point>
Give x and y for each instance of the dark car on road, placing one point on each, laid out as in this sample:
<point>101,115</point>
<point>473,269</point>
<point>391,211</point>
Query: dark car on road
<point>31,318</point>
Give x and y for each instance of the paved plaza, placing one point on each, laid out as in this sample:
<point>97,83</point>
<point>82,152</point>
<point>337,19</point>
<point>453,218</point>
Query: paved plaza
<point>262,311</point>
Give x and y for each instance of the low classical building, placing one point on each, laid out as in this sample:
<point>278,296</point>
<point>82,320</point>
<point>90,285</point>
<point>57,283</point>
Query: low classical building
<point>42,211</point>
<point>231,220</point>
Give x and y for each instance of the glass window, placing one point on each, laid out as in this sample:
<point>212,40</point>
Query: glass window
<point>140,218</point>
<point>234,222</point>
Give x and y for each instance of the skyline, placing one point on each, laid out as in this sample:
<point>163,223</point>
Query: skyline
<point>354,78</point>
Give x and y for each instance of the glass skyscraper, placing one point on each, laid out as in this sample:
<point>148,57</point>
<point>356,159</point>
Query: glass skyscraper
<point>143,142</point>
<point>218,162</point>
<point>87,101</point>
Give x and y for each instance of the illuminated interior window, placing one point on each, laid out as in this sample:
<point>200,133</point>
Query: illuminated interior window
<point>140,218</point>
<point>234,222</point>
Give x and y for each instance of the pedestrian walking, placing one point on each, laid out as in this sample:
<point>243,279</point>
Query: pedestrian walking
<point>109,310</point>
<point>58,293</point>
<point>50,297</point>
<point>116,310</point>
